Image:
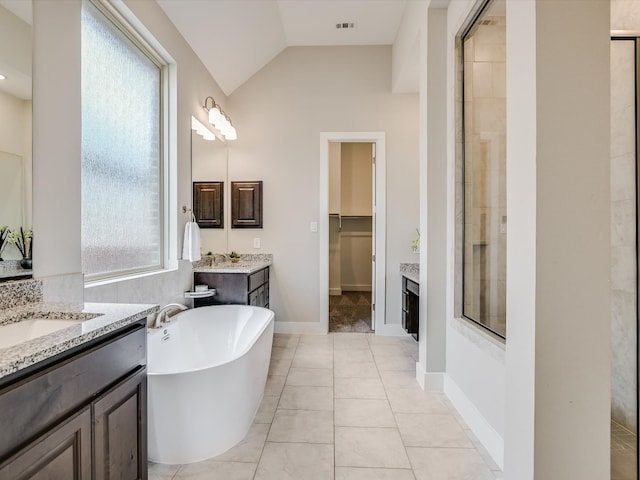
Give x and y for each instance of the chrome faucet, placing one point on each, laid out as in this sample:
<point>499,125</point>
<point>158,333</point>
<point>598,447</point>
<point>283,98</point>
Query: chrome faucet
<point>162,315</point>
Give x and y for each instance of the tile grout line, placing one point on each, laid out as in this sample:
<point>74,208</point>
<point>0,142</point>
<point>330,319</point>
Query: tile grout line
<point>392,413</point>
<point>276,410</point>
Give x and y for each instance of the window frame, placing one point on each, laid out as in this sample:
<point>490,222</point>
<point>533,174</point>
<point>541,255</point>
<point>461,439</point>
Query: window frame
<point>472,23</point>
<point>125,24</point>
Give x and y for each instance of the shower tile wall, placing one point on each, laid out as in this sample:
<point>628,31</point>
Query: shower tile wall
<point>625,15</point>
<point>623,235</point>
<point>485,172</point>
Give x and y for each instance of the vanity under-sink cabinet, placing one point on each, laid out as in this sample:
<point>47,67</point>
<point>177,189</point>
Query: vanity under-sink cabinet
<point>82,415</point>
<point>235,288</point>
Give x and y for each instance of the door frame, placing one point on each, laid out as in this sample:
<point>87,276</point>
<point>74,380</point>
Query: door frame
<point>379,279</point>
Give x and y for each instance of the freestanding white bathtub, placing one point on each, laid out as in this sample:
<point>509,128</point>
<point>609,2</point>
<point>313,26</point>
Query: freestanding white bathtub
<point>207,371</point>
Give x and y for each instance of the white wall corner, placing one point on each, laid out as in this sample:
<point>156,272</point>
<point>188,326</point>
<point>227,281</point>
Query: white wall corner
<point>429,381</point>
<point>488,436</point>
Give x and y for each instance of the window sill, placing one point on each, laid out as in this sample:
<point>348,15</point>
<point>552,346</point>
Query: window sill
<point>125,278</point>
<point>486,341</point>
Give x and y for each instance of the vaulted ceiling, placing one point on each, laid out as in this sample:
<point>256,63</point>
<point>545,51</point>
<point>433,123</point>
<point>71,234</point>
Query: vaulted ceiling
<point>236,38</point>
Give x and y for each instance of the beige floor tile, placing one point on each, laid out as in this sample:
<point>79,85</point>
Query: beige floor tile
<point>296,461</point>
<point>279,366</point>
<point>282,352</point>
<point>210,470</point>
<point>316,340</point>
<point>359,473</point>
<point>352,356</point>
<point>313,359</point>
<point>313,377</point>
<point>285,340</point>
<point>350,341</point>
<point>159,471</point>
<point>250,448</point>
<point>448,464</point>
<point>415,400</point>
<point>424,430</point>
<point>356,370</point>
<point>387,350</point>
<point>359,388</point>
<point>308,426</point>
<point>395,362</point>
<point>360,412</point>
<point>267,409</point>
<point>369,447</point>
<point>399,379</point>
<point>275,384</point>
<point>306,398</point>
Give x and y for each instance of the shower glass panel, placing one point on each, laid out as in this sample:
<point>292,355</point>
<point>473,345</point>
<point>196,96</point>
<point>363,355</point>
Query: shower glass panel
<point>484,166</point>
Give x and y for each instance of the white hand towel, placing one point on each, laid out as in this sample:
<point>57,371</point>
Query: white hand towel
<point>191,245</point>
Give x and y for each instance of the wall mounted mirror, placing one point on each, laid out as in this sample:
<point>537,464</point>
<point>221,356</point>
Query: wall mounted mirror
<point>209,164</point>
<point>15,117</point>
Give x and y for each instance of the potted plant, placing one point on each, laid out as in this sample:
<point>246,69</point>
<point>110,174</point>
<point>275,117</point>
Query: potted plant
<point>4,234</point>
<point>234,256</point>
<point>23,240</point>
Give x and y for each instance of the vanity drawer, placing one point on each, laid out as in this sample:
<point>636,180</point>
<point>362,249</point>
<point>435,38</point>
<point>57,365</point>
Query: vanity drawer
<point>257,279</point>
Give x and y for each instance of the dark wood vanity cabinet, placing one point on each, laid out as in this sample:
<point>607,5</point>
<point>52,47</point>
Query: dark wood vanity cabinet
<point>235,288</point>
<point>82,415</point>
<point>410,306</point>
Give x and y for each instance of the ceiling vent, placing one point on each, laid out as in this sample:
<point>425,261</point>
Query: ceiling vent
<point>346,25</point>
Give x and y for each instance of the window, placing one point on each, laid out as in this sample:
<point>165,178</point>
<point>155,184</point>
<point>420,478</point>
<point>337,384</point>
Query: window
<point>484,168</point>
<point>122,154</point>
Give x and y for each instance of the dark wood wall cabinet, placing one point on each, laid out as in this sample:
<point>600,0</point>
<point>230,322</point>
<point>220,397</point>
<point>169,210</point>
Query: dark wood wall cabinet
<point>82,415</point>
<point>246,204</point>
<point>235,288</point>
<point>410,306</point>
<point>208,204</point>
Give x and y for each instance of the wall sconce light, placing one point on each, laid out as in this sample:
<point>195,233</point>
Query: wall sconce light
<point>202,130</point>
<point>220,120</point>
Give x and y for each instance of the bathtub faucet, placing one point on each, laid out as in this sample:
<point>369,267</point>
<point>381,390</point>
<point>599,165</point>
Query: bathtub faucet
<point>161,316</point>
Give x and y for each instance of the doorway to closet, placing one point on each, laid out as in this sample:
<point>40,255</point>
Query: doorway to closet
<point>362,231</point>
<point>351,239</point>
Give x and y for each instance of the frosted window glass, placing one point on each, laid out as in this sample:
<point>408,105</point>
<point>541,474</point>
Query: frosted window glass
<point>121,157</point>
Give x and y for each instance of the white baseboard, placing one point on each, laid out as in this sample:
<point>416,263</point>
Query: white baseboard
<point>305,328</point>
<point>356,287</point>
<point>490,439</point>
<point>429,381</point>
<point>335,291</point>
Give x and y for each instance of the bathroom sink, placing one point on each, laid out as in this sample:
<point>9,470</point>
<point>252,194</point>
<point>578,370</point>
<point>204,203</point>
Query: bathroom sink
<point>31,328</point>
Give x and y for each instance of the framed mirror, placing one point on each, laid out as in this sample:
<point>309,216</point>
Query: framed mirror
<point>209,163</point>
<point>15,121</point>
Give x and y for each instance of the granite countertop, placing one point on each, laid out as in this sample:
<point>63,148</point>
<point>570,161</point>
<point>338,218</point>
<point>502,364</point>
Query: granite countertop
<point>97,319</point>
<point>411,271</point>
<point>247,264</point>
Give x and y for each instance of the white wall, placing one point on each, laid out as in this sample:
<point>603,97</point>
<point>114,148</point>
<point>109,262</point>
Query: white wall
<point>279,114</point>
<point>57,143</point>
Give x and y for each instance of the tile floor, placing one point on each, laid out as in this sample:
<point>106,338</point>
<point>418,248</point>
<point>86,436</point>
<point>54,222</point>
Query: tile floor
<point>346,406</point>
